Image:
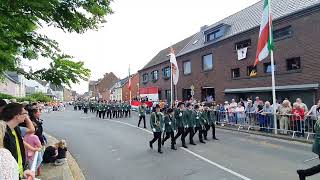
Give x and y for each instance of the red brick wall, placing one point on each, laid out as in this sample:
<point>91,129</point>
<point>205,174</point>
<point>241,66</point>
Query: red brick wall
<point>134,88</point>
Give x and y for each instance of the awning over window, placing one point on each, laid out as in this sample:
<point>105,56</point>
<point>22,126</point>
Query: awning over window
<point>278,88</point>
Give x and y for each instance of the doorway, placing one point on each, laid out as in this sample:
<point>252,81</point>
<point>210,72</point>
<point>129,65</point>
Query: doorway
<point>186,94</point>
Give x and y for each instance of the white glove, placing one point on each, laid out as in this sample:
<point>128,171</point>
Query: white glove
<point>139,115</point>
<point>180,114</point>
<point>154,129</point>
<point>197,117</point>
<point>187,126</point>
<point>169,123</point>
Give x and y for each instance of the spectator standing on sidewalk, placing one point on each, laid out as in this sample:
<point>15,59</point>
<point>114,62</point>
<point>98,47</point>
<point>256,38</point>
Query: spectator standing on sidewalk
<point>302,105</point>
<point>14,114</point>
<point>312,116</point>
<point>240,114</point>
<point>284,114</point>
<point>9,167</point>
<point>35,117</point>
<point>298,119</point>
<point>251,116</point>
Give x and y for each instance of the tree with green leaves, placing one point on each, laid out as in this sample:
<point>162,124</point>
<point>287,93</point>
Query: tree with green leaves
<point>19,21</point>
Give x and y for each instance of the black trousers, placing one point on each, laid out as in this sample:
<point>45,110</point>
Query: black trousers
<point>85,110</point>
<point>126,113</point>
<point>144,121</point>
<point>109,114</point>
<point>115,114</point>
<point>201,131</point>
<point>100,114</point>
<point>190,131</point>
<point>168,135</point>
<point>181,132</point>
<point>129,113</point>
<point>157,136</point>
<point>103,114</point>
<point>310,172</point>
<point>75,108</point>
<point>97,113</point>
<point>119,113</point>
<point>207,126</point>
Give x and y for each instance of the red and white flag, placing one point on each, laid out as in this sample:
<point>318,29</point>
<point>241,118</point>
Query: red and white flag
<point>174,67</point>
<point>265,43</point>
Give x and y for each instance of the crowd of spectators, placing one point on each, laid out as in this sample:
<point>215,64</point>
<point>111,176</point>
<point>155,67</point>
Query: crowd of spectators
<point>22,142</point>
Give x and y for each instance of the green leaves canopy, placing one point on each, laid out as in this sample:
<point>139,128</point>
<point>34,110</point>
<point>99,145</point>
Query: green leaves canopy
<point>19,20</point>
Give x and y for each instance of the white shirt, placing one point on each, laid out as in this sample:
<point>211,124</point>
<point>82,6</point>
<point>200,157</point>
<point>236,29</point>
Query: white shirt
<point>8,166</point>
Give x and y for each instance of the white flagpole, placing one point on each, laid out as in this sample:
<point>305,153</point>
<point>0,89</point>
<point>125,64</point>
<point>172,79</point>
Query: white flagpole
<point>273,76</point>
<point>171,80</point>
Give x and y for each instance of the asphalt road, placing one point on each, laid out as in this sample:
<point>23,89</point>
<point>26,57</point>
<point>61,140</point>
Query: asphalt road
<point>118,150</point>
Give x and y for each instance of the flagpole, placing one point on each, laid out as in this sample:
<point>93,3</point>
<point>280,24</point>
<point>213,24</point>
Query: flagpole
<point>273,75</point>
<point>171,90</point>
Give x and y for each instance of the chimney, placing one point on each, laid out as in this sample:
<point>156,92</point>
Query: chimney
<point>202,28</point>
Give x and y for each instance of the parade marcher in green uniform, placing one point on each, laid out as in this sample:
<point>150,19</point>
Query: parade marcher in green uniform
<point>169,128</point>
<point>114,109</point>
<point>180,123</point>
<point>212,120</point>
<point>85,107</point>
<point>316,149</point>
<point>75,105</point>
<point>104,109</point>
<point>157,126</point>
<point>109,110</point>
<point>126,109</point>
<point>97,108</point>
<point>100,109</point>
<point>205,117</point>
<point>129,109</point>
<point>119,109</point>
<point>196,116</point>
<point>189,129</point>
<point>142,114</point>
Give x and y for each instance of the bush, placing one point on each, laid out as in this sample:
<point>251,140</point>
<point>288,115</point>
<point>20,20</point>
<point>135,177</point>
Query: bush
<point>6,96</point>
<point>40,97</point>
<point>27,98</point>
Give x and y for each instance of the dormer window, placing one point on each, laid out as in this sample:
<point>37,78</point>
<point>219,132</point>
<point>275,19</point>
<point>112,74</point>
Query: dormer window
<point>214,35</point>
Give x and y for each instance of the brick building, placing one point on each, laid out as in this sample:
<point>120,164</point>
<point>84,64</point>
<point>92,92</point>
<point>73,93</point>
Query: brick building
<point>134,88</point>
<point>101,89</point>
<point>218,59</point>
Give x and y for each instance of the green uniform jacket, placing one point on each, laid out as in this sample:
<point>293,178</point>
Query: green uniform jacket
<point>169,124</point>
<point>179,117</point>
<point>210,117</point>
<point>316,144</point>
<point>204,117</point>
<point>188,119</point>
<point>196,116</point>
<point>142,110</point>
<point>157,124</point>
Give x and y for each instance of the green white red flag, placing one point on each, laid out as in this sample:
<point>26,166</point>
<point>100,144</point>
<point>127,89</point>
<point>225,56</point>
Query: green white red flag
<point>265,43</point>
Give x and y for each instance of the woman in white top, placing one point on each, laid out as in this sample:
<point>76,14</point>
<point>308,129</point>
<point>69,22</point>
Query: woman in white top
<point>8,165</point>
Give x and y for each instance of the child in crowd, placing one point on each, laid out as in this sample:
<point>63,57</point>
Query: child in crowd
<point>56,154</point>
<point>35,145</point>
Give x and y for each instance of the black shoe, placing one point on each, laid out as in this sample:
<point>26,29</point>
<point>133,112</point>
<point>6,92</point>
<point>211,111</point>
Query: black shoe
<point>173,147</point>
<point>145,127</point>
<point>159,151</point>
<point>185,146</point>
<point>205,139</point>
<point>162,142</point>
<point>301,176</point>
<point>150,144</point>
<point>215,138</point>
<point>192,143</point>
<point>202,142</point>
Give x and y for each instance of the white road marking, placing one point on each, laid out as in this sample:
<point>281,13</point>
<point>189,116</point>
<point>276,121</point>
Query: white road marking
<point>192,153</point>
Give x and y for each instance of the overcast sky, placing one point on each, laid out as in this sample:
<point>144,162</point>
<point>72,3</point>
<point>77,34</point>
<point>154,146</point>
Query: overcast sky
<point>138,30</point>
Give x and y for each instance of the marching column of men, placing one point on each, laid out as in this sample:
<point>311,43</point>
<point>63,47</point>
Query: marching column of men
<point>111,109</point>
<point>184,120</point>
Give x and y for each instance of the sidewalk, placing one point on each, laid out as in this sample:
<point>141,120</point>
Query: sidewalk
<point>69,171</point>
